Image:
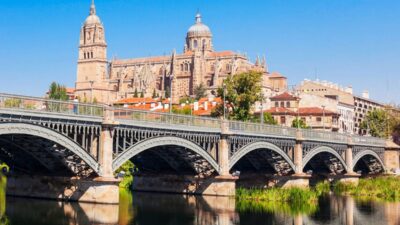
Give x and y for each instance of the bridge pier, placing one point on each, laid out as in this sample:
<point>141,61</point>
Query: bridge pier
<point>350,176</point>
<point>214,186</point>
<point>391,156</point>
<point>299,178</point>
<point>64,188</point>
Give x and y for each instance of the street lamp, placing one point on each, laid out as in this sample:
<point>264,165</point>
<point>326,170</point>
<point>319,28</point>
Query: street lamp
<point>323,116</point>
<point>91,91</point>
<point>170,94</point>
<point>224,86</point>
<point>262,109</point>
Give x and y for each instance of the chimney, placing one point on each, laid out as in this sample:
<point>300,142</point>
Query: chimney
<point>349,89</point>
<point>205,105</point>
<point>365,94</point>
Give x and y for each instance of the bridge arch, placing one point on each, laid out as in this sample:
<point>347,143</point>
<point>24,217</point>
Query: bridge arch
<point>162,141</point>
<point>321,149</point>
<point>51,135</point>
<point>364,153</point>
<point>259,145</point>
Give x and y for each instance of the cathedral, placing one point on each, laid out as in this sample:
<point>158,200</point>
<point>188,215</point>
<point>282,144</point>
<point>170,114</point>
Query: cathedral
<point>178,74</point>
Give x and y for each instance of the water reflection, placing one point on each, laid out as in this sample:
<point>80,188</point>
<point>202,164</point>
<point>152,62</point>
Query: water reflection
<point>162,209</point>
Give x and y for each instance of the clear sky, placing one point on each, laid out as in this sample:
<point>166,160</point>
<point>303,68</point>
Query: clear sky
<point>351,42</point>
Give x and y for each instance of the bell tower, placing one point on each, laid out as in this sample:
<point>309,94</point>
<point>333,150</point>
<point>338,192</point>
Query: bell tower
<point>91,79</point>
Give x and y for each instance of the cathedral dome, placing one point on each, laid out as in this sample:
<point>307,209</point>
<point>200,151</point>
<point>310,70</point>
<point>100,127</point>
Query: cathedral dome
<point>92,19</point>
<point>199,29</point>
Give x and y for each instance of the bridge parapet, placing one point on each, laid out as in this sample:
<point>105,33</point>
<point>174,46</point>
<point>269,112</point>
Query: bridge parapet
<point>146,118</point>
<point>27,103</point>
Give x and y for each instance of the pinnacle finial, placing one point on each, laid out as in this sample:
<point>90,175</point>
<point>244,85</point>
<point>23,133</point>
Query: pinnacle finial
<point>92,8</point>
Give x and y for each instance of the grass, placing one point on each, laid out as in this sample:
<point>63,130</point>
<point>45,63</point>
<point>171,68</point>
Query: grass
<point>381,188</point>
<point>291,201</point>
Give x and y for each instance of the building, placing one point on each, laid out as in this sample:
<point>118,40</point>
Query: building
<point>202,107</point>
<point>362,106</point>
<point>111,80</point>
<point>287,107</point>
<point>333,97</point>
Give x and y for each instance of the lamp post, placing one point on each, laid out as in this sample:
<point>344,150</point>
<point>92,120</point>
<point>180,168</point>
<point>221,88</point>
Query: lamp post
<point>323,116</point>
<point>262,109</point>
<point>171,77</point>
<point>224,86</point>
<point>91,91</point>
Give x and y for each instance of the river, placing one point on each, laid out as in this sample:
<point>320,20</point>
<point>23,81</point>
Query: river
<point>167,209</point>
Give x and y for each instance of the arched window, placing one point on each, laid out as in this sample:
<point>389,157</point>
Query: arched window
<point>91,55</point>
<point>204,45</point>
<point>84,55</point>
<point>186,67</point>
<point>195,44</point>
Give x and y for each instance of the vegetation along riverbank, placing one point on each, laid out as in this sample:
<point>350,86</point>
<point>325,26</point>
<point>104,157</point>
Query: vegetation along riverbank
<point>384,188</point>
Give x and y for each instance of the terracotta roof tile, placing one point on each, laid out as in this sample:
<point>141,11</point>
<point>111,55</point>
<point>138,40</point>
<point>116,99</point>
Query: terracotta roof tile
<point>284,96</point>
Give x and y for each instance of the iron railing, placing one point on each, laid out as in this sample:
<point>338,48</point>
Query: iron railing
<point>309,134</point>
<point>26,103</point>
<point>122,114</point>
<point>363,140</point>
<point>263,129</point>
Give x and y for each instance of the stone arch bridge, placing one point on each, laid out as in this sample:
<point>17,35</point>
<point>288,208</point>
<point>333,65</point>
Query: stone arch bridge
<point>40,137</point>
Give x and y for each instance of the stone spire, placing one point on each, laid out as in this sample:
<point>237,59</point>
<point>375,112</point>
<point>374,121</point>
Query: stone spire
<point>92,8</point>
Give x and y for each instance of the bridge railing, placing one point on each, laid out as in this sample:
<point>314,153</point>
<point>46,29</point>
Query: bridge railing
<point>309,134</point>
<point>363,140</point>
<point>257,128</point>
<point>165,118</point>
<point>19,102</point>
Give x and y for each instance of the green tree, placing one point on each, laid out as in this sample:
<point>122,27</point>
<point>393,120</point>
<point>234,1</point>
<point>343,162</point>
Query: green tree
<point>135,94</point>
<point>142,94</point>
<point>299,123</point>
<point>377,123</point>
<point>269,119</point>
<point>242,91</point>
<point>154,94</point>
<point>200,91</point>
<point>58,92</point>
<point>183,111</point>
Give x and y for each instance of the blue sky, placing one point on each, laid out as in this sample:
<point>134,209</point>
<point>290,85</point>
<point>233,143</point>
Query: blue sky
<point>351,42</point>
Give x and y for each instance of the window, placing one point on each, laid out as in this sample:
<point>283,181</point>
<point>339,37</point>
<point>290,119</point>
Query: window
<point>287,104</point>
<point>204,43</point>
<point>186,67</point>
<point>195,44</point>
<point>277,104</point>
<point>319,119</point>
<point>283,120</point>
<point>91,55</point>
<point>181,67</point>
<point>282,104</point>
<point>84,55</point>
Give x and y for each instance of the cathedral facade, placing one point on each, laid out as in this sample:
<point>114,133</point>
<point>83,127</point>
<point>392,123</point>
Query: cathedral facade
<point>108,81</point>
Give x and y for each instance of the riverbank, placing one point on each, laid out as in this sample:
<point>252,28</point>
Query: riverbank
<point>384,188</point>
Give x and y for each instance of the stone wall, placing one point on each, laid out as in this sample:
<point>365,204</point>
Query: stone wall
<point>63,188</point>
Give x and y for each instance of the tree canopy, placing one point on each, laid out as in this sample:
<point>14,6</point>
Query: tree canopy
<point>58,92</point>
<point>299,123</point>
<point>378,123</point>
<point>241,92</point>
<point>200,91</point>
